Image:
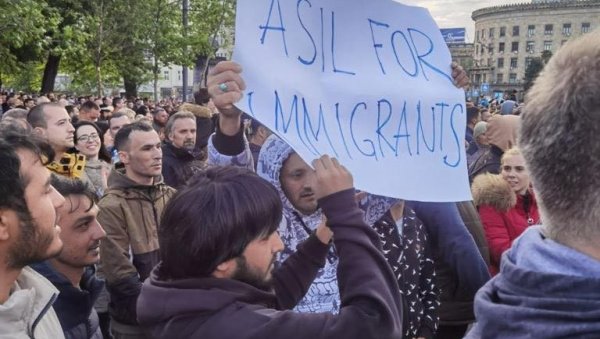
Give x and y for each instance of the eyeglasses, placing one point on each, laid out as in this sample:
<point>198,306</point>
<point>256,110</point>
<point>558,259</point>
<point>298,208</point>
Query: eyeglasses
<point>91,137</point>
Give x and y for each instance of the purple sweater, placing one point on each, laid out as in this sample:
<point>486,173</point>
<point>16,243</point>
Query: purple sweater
<point>225,308</point>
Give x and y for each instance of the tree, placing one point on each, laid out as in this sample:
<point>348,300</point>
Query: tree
<point>531,72</point>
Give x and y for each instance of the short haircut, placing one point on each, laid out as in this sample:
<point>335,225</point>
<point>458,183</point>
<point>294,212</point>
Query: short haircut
<point>559,141</point>
<point>212,220</point>
<point>89,106</point>
<point>175,117</point>
<point>73,186</point>
<point>116,100</point>
<point>472,113</point>
<point>157,110</point>
<point>12,182</point>
<point>201,97</point>
<point>102,153</point>
<point>16,113</point>
<point>122,137</point>
<point>36,117</point>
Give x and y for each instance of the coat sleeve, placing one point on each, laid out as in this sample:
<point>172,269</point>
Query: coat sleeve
<point>449,235</point>
<point>496,232</point>
<point>122,279</point>
<point>226,150</point>
<point>295,275</point>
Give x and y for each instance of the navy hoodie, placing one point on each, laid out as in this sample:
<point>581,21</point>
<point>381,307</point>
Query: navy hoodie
<point>544,290</point>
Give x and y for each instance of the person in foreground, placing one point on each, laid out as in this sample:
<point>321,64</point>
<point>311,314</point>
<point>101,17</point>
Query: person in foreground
<point>548,281</point>
<point>216,278</point>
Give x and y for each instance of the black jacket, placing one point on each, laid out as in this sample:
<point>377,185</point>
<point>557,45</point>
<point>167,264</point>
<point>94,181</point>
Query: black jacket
<point>75,306</point>
<point>178,165</point>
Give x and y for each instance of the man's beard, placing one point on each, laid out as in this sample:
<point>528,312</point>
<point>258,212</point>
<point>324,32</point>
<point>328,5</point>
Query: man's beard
<point>189,145</point>
<point>246,274</point>
<point>31,246</point>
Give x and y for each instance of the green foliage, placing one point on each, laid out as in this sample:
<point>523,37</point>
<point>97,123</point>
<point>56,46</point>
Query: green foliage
<point>532,71</point>
<point>104,43</point>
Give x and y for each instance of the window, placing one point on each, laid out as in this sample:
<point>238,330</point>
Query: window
<point>484,77</point>
<point>566,29</point>
<point>512,79</point>
<point>477,36</point>
<point>490,63</point>
<point>500,62</point>
<point>492,32</point>
<point>547,45</point>
<point>477,78</point>
<point>515,31</point>
<point>585,27</point>
<point>530,48</point>
<point>514,47</point>
<point>531,30</point>
<point>527,62</point>
<point>501,47</point>
<point>481,49</point>
<point>499,78</point>
<point>178,75</point>
<point>513,63</point>
<point>503,31</point>
<point>166,75</point>
<point>548,29</point>
<point>483,33</point>
<point>491,48</point>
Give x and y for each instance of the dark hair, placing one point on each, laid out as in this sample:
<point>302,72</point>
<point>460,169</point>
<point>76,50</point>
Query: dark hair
<point>472,113</point>
<point>89,106</point>
<point>201,97</point>
<point>16,113</point>
<point>102,153</point>
<point>115,100</point>
<point>12,182</point>
<point>73,186</point>
<point>213,218</point>
<point>122,136</point>
<point>36,117</point>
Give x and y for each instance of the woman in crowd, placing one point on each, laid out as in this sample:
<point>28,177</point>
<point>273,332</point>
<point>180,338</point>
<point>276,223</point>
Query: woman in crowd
<point>88,141</point>
<point>506,204</point>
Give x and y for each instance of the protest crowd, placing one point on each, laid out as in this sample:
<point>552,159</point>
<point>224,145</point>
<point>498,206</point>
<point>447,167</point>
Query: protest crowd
<point>128,218</point>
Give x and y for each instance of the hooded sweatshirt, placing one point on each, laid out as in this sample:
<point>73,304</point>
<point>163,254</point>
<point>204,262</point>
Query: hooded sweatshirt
<point>295,227</point>
<point>544,290</point>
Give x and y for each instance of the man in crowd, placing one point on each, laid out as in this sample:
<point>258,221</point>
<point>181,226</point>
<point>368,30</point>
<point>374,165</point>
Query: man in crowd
<point>115,123</point>
<point>29,103</point>
<point>117,103</point>
<point>159,119</point>
<point>548,281</point>
<point>179,163</point>
<point>72,272</point>
<point>28,234</point>
<point>90,111</point>
<point>219,241</point>
<point>52,122</point>
<point>130,212</point>
<point>258,135</point>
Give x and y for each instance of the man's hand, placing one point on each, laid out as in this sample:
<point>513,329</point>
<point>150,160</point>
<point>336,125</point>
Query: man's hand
<point>226,86</point>
<point>461,80</point>
<point>331,177</point>
<point>324,233</point>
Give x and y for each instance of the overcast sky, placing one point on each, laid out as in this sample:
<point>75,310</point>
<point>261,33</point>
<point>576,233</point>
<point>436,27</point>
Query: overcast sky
<point>456,13</point>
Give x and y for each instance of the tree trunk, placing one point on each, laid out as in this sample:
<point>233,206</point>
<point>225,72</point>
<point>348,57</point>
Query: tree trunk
<point>201,61</point>
<point>50,72</point>
<point>130,88</point>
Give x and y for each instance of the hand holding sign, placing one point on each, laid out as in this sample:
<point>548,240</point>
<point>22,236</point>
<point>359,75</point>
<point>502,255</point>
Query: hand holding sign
<point>331,177</point>
<point>226,86</point>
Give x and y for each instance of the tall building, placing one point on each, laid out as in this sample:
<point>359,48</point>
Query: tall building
<point>508,37</point>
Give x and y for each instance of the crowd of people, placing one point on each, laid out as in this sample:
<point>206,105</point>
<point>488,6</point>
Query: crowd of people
<point>132,219</point>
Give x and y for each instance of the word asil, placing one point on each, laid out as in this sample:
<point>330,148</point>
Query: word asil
<point>393,133</point>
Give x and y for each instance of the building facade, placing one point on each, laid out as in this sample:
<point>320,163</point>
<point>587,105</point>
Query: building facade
<point>508,37</point>
<point>462,53</point>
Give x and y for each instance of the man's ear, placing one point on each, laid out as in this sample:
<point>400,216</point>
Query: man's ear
<point>225,269</point>
<point>124,157</point>
<point>39,131</point>
<point>8,220</point>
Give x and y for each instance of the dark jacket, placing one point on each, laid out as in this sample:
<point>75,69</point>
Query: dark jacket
<point>179,165</point>
<point>224,308</point>
<point>410,258</point>
<point>457,302</point>
<point>488,162</point>
<point>75,306</point>
<point>544,290</point>
<point>130,214</point>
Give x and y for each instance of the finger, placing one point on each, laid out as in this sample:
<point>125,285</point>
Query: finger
<point>360,196</point>
<point>335,162</point>
<point>226,66</point>
<point>226,100</point>
<point>228,76</point>
<point>318,165</point>
<point>327,163</point>
<point>230,86</point>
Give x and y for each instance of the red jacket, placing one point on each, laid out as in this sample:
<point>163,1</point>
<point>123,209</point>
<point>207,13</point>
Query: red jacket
<point>503,214</point>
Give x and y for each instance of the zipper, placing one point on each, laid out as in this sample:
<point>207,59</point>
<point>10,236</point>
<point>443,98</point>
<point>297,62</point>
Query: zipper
<point>44,310</point>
